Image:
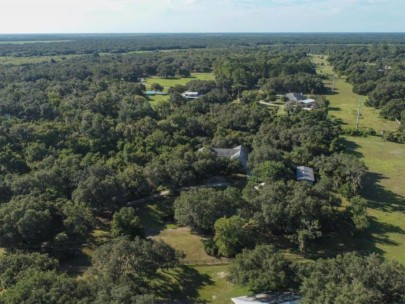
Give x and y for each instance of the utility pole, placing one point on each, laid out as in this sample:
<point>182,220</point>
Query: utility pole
<point>358,115</point>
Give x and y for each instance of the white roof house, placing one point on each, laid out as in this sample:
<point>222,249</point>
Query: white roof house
<point>308,103</point>
<point>273,298</point>
<point>191,95</point>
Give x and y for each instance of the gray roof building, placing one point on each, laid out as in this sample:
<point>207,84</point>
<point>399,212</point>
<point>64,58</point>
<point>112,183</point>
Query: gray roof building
<point>240,152</point>
<point>295,97</point>
<point>305,174</point>
<point>191,95</point>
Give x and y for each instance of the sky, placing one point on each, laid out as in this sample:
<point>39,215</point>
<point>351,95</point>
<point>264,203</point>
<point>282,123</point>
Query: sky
<point>150,16</point>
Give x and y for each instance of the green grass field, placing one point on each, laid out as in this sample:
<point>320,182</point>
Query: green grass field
<point>170,82</point>
<point>385,181</point>
<point>32,41</point>
<point>182,239</point>
<point>216,288</point>
<point>167,83</point>
<point>157,99</point>
<point>344,103</point>
<point>219,290</point>
<point>32,60</point>
<point>187,283</point>
<point>385,190</point>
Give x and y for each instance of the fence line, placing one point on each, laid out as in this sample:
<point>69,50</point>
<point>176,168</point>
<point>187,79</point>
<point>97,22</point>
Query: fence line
<point>207,262</point>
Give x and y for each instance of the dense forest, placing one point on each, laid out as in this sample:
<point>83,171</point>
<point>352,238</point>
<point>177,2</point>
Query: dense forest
<point>80,141</point>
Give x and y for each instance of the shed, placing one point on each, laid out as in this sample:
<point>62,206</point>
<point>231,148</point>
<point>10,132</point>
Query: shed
<point>305,174</point>
<point>191,95</point>
<point>153,93</point>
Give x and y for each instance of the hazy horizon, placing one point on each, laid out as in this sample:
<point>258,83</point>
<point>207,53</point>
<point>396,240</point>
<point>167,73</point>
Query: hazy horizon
<point>202,16</point>
<point>173,33</point>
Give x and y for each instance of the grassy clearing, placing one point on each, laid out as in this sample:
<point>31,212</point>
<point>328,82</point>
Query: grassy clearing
<point>32,60</point>
<point>156,216</point>
<point>385,190</point>
<point>157,99</point>
<point>78,264</point>
<point>384,183</point>
<point>219,290</point>
<point>182,239</point>
<point>344,103</point>
<point>171,82</point>
<point>32,41</point>
<point>207,283</point>
<point>196,285</point>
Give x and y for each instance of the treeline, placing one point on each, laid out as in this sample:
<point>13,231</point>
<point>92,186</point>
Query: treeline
<point>67,44</point>
<point>348,278</point>
<point>271,71</point>
<point>378,72</point>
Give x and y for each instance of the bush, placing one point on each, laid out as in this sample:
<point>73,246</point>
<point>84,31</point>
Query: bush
<point>210,247</point>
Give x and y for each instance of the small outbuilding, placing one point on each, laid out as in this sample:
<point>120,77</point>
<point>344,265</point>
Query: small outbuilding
<point>191,95</point>
<point>304,173</point>
<point>153,93</point>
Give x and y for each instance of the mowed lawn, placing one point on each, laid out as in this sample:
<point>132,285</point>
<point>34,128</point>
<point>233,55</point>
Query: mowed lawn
<point>385,190</point>
<point>182,239</point>
<point>216,288</point>
<point>385,181</point>
<point>171,82</point>
<point>345,103</point>
<point>220,290</point>
<point>208,283</point>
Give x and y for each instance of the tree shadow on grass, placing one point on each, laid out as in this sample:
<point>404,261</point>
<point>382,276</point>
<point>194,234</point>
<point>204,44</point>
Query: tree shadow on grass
<point>351,147</point>
<point>156,215</point>
<point>330,92</point>
<point>181,285</point>
<point>379,197</point>
<point>346,239</point>
<point>378,232</point>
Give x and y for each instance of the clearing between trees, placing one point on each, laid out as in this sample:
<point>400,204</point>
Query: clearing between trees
<point>384,182</point>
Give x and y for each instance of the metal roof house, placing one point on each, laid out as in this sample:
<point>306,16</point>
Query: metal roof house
<point>308,103</point>
<point>240,152</point>
<point>295,97</point>
<point>153,93</point>
<point>273,298</point>
<point>191,95</point>
<point>305,174</point>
